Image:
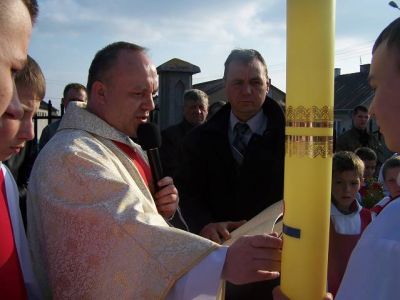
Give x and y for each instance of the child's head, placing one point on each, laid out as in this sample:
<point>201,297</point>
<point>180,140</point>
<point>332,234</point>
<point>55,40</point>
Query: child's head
<point>368,156</point>
<point>31,87</point>
<point>347,176</point>
<point>390,172</point>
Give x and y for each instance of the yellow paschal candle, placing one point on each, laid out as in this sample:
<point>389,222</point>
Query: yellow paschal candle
<point>309,129</point>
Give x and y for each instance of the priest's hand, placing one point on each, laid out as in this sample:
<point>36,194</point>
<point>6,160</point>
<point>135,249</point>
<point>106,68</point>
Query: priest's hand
<point>253,258</point>
<point>220,232</point>
<point>166,198</point>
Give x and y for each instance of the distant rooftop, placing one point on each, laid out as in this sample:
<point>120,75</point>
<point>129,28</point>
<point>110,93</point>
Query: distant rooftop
<point>353,89</point>
<point>178,65</point>
<point>45,106</point>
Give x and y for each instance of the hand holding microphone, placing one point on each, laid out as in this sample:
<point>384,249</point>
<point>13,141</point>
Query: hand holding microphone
<point>166,194</point>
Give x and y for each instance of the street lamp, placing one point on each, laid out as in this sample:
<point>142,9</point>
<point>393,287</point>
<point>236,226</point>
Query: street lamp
<point>394,5</point>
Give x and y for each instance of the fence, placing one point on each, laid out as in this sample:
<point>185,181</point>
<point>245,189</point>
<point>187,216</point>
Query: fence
<point>50,117</point>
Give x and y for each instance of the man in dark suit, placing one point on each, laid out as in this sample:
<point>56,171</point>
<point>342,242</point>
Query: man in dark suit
<point>232,165</point>
<point>195,109</point>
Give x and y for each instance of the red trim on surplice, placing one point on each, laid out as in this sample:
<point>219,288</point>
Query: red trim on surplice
<point>11,279</point>
<point>139,162</point>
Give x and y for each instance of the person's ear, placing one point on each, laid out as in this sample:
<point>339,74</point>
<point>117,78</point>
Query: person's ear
<point>99,92</point>
<point>268,84</point>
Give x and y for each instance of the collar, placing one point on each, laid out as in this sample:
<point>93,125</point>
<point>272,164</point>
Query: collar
<point>355,208</point>
<point>187,126</point>
<point>79,118</point>
<point>257,124</point>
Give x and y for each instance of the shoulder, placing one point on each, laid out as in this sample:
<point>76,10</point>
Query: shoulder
<point>274,112</point>
<point>50,130</point>
<point>171,131</point>
<point>204,135</point>
<point>74,160</point>
<point>383,202</point>
<point>347,134</point>
<point>55,124</point>
<point>385,226</point>
<point>70,145</point>
<point>7,174</point>
<point>52,126</point>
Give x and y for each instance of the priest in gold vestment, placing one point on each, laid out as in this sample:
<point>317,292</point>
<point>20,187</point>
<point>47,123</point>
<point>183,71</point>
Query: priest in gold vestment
<point>97,229</point>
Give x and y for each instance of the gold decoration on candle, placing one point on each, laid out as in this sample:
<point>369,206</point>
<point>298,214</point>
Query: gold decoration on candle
<point>311,117</point>
<point>309,146</point>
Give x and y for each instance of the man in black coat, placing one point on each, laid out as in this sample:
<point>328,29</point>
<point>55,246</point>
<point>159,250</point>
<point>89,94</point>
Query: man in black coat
<point>229,174</point>
<point>195,110</point>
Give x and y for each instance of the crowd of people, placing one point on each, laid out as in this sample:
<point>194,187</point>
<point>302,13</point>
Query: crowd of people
<point>101,227</point>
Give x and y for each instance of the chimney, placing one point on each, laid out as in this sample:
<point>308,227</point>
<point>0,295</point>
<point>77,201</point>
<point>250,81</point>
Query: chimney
<point>337,72</point>
<point>175,76</point>
<point>365,68</point>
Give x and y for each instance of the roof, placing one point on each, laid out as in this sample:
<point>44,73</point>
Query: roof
<point>44,105</point>
<point>352,90</point>
<point>178,65</point>
<point>210,87</point>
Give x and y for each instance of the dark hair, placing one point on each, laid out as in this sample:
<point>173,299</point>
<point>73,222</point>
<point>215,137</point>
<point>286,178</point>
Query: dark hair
<point>73,86</point>
<point>33,9</point>
<point>391,163</point>
<point>195,95</point>
<point>244,56</point>
<point>391,34</point>
<point>366,153</point>
<point>347,161</point>
<point>105,58</point>
<point>32,76</point>
<point>359,108</point>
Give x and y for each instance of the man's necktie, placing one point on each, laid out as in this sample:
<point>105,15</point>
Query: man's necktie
<point>11,280</point>
<point>239,142</point>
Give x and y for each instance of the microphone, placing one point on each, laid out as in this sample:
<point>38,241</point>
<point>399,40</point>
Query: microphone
<point>149,139</point>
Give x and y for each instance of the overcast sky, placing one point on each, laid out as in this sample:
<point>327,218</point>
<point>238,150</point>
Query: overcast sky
<point>69,33</point>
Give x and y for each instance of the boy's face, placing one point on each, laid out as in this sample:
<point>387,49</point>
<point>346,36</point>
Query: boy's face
<point>391,181</point>
<point>345,186</point>
<point>370,167</point>
<point>15,31</point>
<point>15,132</point>
<point>384,78</point>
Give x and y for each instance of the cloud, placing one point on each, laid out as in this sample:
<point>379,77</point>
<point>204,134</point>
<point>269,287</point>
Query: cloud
<point>213,22</point>
<point>202,33</point>
<point>351,51</point>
